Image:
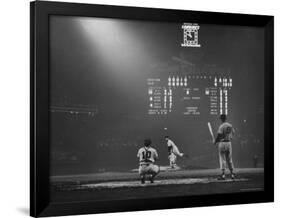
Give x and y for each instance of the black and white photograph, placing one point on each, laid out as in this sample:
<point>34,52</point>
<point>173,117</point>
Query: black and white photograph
<point>147,108</point>
<point>132,109</point>
<point>142,109</point>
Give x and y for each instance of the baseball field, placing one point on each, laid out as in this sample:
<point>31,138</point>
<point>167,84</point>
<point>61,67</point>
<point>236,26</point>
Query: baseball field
<point>126,185</point>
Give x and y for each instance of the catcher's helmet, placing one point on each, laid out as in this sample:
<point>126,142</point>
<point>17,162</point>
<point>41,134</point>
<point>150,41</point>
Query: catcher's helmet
<point>147,142</point>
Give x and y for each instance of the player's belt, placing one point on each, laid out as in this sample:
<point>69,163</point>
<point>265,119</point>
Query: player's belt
<point>145,163</point>
<point>225,140</point>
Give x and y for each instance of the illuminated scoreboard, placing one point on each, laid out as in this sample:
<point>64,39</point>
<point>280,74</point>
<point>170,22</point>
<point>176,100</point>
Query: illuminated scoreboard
<point>189,95</point>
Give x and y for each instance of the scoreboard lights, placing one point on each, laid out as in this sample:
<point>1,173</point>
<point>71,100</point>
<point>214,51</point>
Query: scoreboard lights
<point>191,90</point>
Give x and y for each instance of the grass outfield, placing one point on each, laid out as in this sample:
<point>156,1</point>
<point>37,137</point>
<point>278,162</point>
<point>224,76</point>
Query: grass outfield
<point>126,185</point>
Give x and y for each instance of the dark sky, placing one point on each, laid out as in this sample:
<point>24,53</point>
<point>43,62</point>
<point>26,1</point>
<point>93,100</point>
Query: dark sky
<point>93,59</point>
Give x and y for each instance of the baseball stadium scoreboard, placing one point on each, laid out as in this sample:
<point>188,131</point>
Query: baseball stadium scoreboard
<point>189,95</point>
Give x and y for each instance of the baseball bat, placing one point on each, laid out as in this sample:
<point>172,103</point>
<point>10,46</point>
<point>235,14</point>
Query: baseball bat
<point>211,131</point>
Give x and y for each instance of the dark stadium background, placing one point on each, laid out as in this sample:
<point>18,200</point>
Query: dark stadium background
<point>98,97</point>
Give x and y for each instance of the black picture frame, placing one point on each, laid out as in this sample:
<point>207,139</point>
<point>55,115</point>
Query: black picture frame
<point>39,95</point>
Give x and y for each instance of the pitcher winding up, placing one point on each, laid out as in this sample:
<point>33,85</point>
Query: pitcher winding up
<point>173,152</point>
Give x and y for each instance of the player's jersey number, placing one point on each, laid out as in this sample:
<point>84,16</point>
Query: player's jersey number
<point>227,133</point>
<point>146,155</point>
<point>228,130</point>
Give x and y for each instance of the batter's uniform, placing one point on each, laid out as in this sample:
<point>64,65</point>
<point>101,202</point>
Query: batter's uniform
<point>224,146</point>
<point>147,157</point>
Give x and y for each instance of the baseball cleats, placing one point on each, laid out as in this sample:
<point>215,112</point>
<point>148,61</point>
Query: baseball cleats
<point>151,178</point>
<point>221,177</point>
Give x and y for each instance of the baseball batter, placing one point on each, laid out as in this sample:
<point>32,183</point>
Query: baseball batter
<point>147,156</point>
<point>173,152</point>
<point>223,140</point>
